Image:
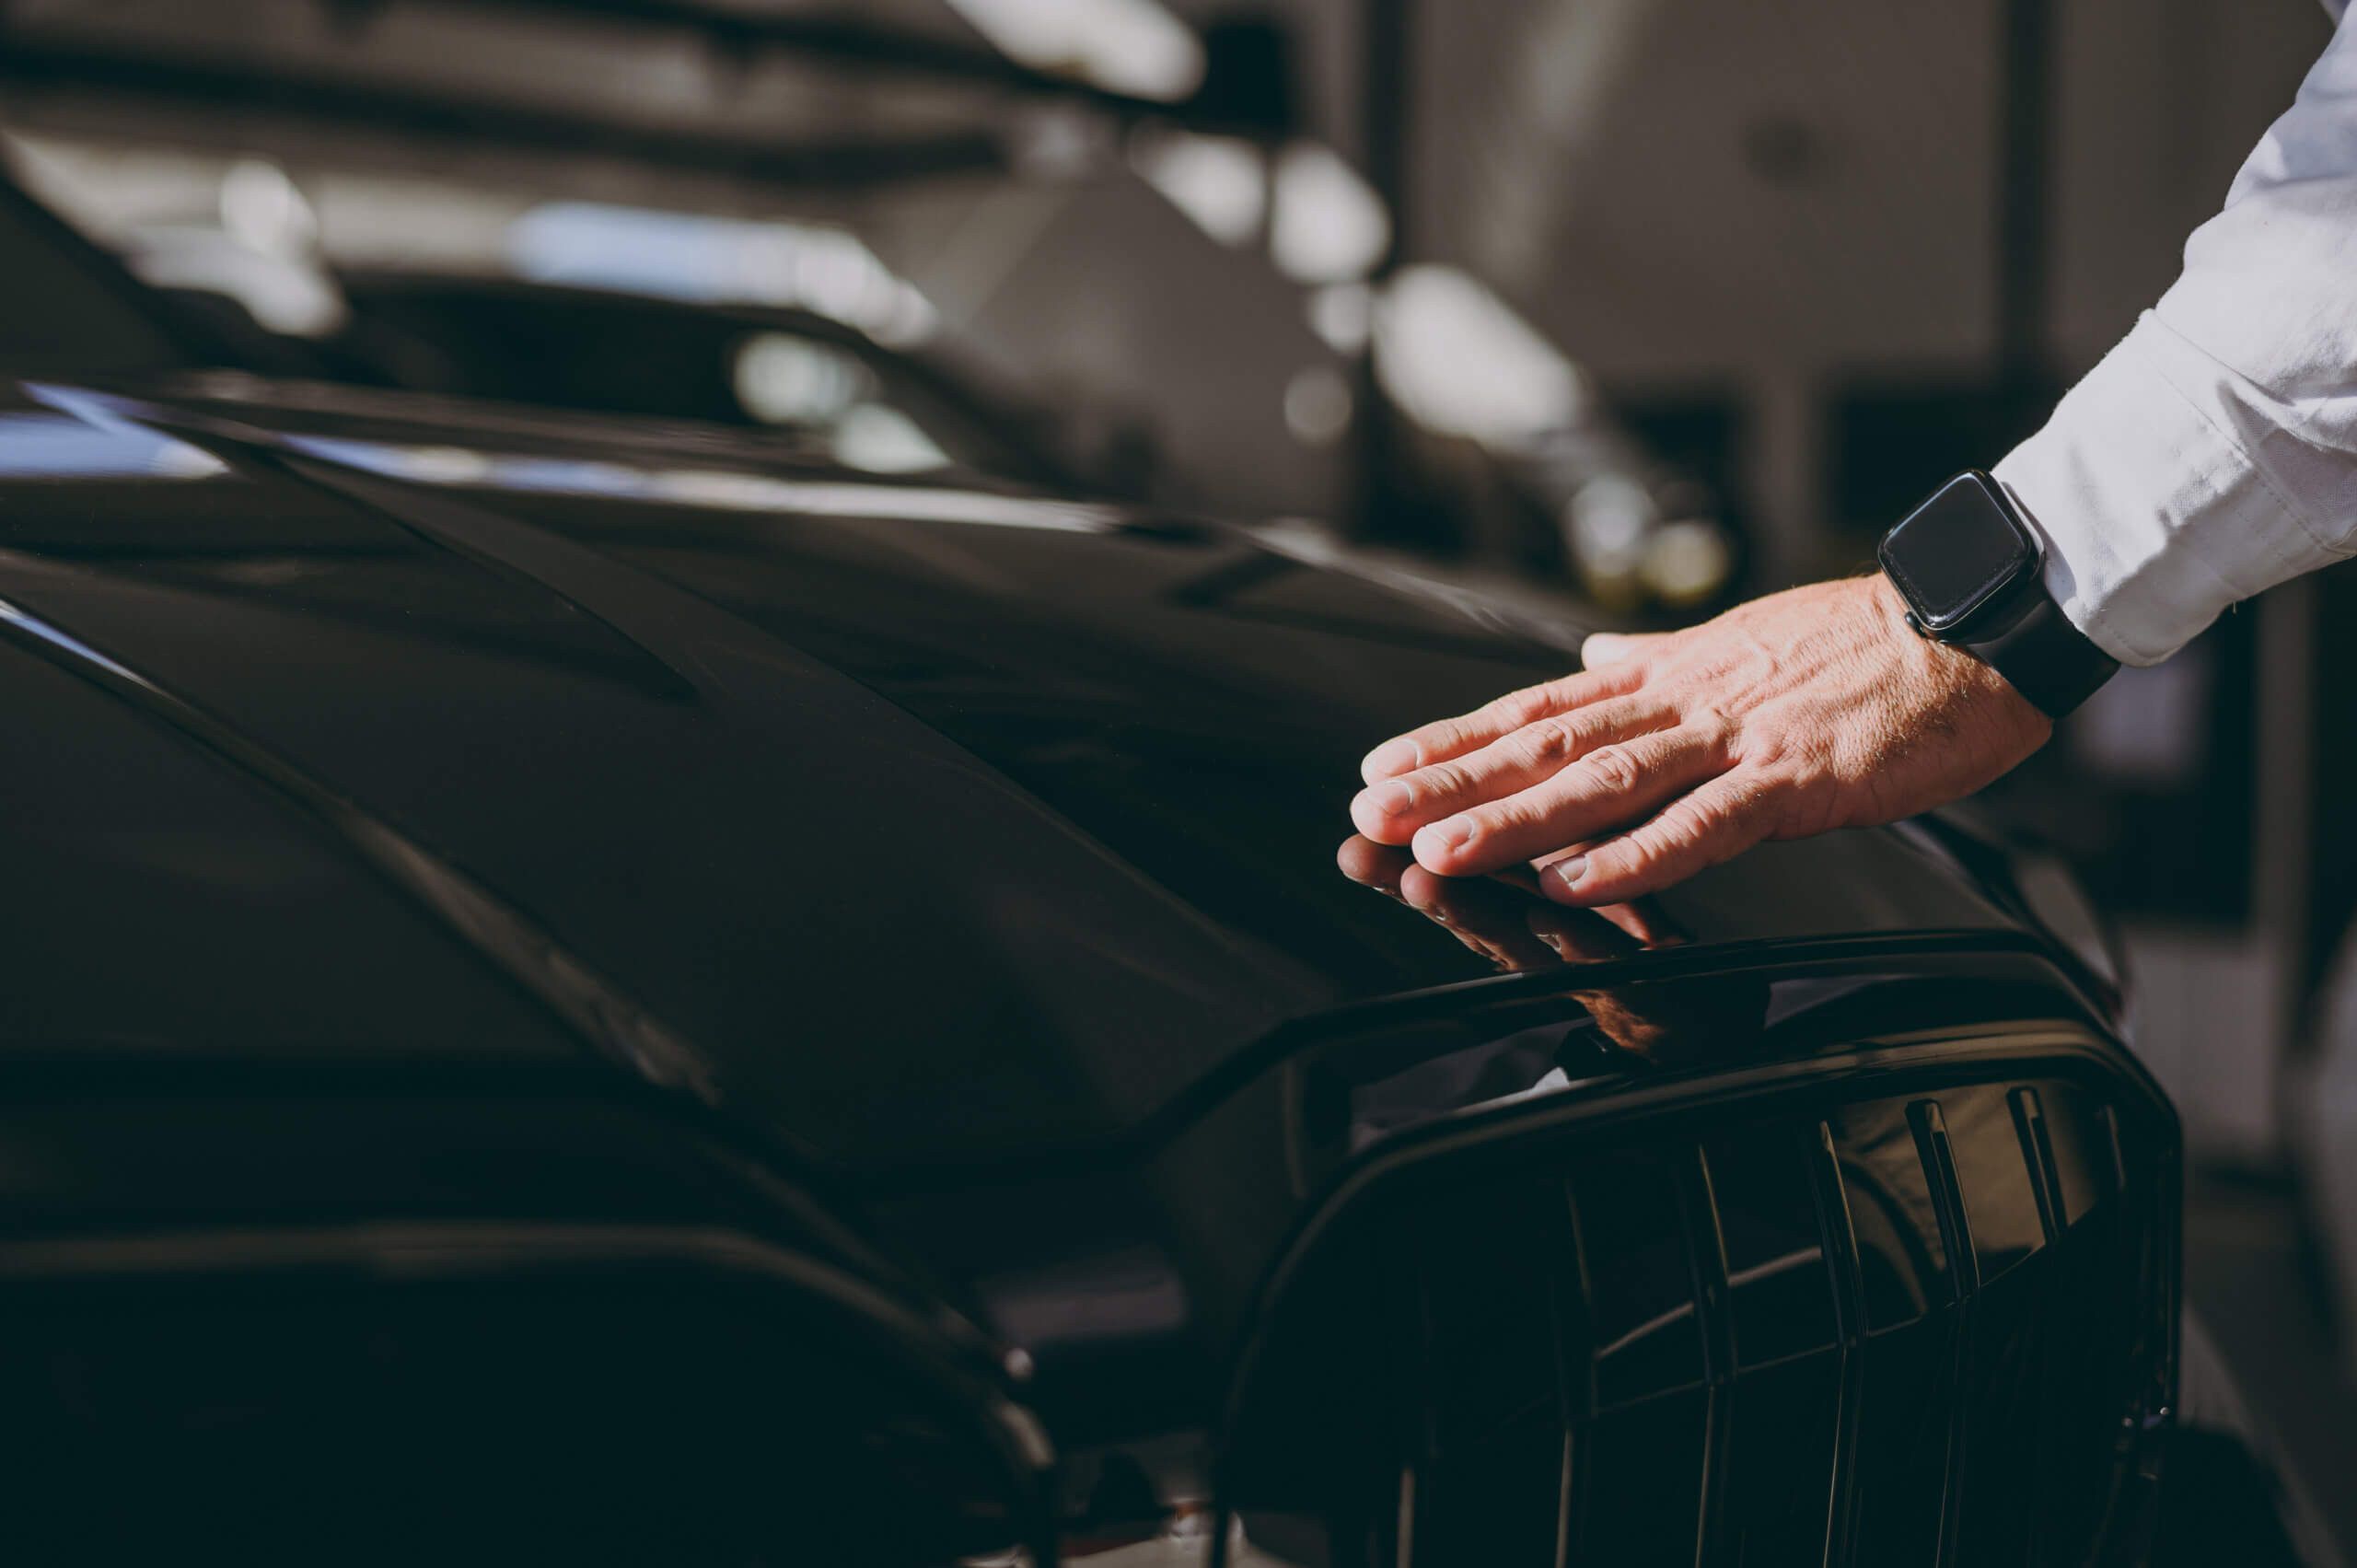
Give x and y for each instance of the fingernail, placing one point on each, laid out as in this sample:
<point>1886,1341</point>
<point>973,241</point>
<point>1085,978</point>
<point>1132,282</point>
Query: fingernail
<point>1391,757</point>
<point>1569,870</point>
<point>1443,838</point>
<point>1374,810</point>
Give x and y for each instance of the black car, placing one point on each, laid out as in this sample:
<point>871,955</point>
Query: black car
<point>585,991</point>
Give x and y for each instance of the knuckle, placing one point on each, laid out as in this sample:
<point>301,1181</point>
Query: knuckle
<point>1545,743</point>
<point>1611,866</point>
<point>1446,735</point>
<point>1760,746</point>
<point>1797,798</point>
<point>1612,771</point>
<point>1526,706</point>
<point>1502,816</point>
<point>1719,730</point>
<point>1684,822</point>
<point>1441,781</point>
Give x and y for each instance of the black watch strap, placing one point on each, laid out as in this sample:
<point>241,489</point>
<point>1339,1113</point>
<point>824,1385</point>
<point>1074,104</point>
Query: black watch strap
<point>2039,653</point>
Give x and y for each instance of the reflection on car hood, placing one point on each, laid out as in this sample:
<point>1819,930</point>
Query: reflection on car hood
<point>927,820</point>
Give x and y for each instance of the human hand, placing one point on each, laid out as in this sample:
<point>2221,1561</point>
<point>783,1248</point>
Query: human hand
<point>1502,918</point>
<point>1810,710</point>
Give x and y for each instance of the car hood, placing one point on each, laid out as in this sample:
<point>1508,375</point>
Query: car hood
<point>909,820</point>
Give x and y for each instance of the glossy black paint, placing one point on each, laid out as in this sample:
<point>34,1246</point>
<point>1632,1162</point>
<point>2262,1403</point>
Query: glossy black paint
<point>491,1392</point>
<point>1080,776</point>
<point>463,813</point>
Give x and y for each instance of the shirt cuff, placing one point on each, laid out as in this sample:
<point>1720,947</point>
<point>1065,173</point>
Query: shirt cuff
<point>2155,518</point>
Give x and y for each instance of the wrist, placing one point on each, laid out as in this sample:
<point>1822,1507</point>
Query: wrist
<point>1940,666</point>
<point>1971,572</point>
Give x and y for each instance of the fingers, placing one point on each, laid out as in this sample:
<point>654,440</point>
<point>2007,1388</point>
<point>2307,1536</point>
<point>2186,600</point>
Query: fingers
<point>1646,922</point>
<point>1577,937</point>
<point>1392,810</point>
<point>1696,831</point>
<point>1611,786</point>
<point>1485,916</point>
<point>1375,866</point>
<point>1453,737</point>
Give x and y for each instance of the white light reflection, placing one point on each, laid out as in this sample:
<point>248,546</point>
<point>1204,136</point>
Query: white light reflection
<point>717,489</point>
<point>261,208</point>
<point>1462,361</point>
<point>49,445</point>
<point>1689,561</point>
<point>1344,315</point>
<point>1126,46</point>
<point>67,641</point>
<point>782,379</point>
<point>264,255</point>
<point>1221,182</point>
<point>756,492</point>
<point>876,439</point>
<point>713,261</point>
<point>290,295</point>
<point>1327,225</point>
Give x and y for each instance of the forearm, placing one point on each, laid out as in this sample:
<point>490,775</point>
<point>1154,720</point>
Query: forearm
<point>2213,453</point>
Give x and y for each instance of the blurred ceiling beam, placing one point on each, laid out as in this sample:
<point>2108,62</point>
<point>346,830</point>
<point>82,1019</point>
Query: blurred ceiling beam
<point>844,40</point>
<point>1227,101</point>
<point>48,80</point>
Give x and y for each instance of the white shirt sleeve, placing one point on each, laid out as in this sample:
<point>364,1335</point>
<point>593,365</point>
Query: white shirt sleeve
<point>2213,452</point>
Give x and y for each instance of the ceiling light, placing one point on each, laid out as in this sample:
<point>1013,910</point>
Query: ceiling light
<point>1125,46</point>
<point>1222,182</point>
<point>1462,361</point>
<point>1327,225</point>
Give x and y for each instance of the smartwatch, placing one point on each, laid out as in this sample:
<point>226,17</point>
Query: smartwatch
<point>1973,574</point>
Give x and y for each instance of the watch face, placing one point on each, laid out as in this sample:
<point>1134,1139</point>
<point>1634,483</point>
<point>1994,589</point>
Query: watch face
<point>1957,551</point>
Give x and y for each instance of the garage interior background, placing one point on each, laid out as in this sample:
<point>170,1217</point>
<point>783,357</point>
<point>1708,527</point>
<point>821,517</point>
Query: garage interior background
<point>1615,308</point>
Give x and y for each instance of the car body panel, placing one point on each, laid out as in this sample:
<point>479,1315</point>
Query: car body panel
<point>1003,758</point>
<point>967,857</point>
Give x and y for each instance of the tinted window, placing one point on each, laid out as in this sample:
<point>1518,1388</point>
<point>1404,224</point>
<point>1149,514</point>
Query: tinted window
<point>1639,1278</point>
<point>1900,1255</point>
<point>1779,1284</point>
